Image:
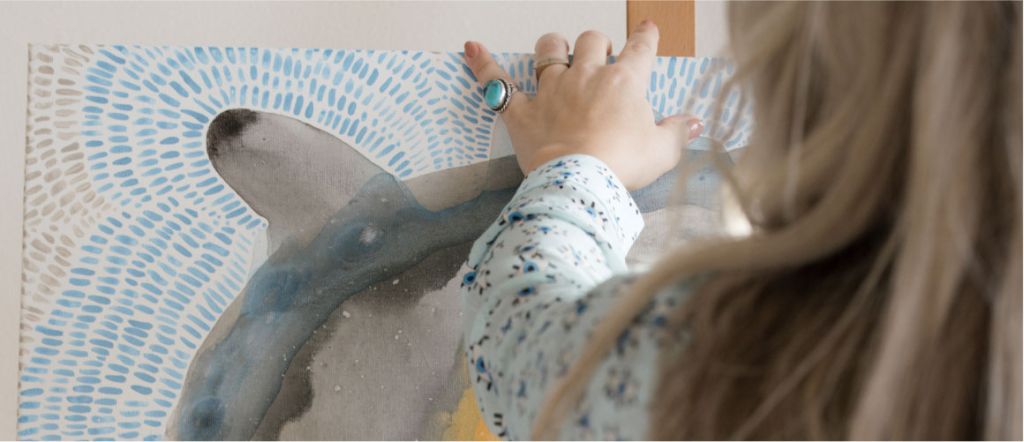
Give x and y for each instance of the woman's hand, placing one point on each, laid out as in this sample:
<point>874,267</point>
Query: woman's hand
<point>592,107</point>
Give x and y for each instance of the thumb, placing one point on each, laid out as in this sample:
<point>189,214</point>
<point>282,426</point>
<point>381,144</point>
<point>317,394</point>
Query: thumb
<point>682,128</point>
<point>677,131</point>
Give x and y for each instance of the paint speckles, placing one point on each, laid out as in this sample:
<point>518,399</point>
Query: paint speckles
<point>370,234</point>
<point>135,245</point>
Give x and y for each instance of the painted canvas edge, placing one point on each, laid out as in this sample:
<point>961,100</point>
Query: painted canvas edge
<point>519,66</point>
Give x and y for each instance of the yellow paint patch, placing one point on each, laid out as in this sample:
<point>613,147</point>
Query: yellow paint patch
<point>466,422</point>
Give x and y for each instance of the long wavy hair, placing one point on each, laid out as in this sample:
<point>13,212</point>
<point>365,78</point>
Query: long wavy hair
<point>878,294</point>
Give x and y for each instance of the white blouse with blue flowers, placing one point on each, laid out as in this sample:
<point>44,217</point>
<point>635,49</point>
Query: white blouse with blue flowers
<point>538,280</point>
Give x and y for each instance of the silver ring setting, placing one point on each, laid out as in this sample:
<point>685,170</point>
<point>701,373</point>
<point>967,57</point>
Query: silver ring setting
<point>498,94</point>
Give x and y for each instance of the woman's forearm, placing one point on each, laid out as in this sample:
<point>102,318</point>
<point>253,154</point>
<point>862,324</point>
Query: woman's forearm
<point>566,230</point>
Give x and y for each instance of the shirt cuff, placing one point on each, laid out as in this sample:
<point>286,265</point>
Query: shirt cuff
<point>577,188</point>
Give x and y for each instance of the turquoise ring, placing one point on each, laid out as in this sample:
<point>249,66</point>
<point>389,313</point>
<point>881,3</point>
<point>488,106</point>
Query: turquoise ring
<point>498,94</point>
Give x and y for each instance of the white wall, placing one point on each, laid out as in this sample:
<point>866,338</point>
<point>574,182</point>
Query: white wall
<point>711,32</point>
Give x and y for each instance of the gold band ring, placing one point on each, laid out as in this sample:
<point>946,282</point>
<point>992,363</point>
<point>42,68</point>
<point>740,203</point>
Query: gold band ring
<point>540,65</point>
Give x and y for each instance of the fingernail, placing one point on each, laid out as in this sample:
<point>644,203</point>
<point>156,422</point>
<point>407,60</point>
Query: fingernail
<point>696,128</point>
<point>471,49</point>
<point>647,22</point>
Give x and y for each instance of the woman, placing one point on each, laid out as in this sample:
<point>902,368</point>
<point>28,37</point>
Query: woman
<point>878,295</point>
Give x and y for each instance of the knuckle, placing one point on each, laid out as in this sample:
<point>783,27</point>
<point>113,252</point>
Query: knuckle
<point>592,34</point>
<point>581,71</point>
<point>552,37</point>
<point>616,72</point>
<point>551,46</point>
<point>647,30</point>
<point>491,71</point>
<point>640,46</point>
<point>616,76</point>
<point>480,66</point>
<point>516,113</point>
<point>491,67</point>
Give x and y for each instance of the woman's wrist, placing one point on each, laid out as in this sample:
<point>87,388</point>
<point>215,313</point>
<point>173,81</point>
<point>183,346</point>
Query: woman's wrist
<point>544,155</point>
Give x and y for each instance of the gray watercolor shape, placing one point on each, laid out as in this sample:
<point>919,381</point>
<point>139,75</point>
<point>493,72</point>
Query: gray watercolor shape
<point>340,231</point>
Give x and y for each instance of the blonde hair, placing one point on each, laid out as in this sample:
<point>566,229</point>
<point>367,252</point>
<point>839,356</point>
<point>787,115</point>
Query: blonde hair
<point>879,293</point>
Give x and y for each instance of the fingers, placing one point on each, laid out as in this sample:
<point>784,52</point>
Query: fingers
<point>684,127</point>
<point>482,64</point>
<point>486,69</point>
<point>679,130</point>
<point>551,57</point>
<point>592,49</point>
<point>674,134</point>
<point>640,51</point>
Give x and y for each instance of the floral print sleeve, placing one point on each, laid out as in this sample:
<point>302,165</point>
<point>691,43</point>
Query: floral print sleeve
<point>538,280</point>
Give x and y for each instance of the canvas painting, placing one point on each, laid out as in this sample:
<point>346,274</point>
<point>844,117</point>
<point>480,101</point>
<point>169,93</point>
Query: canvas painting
<point>237,243</point>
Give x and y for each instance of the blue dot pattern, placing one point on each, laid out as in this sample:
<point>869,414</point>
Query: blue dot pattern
<point>172,245</point>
